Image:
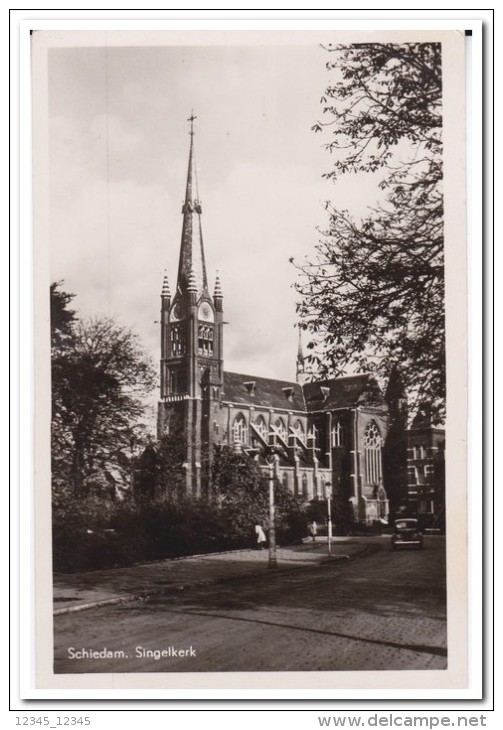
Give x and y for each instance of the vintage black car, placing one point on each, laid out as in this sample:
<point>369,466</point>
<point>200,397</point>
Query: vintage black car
<point>406,532</point>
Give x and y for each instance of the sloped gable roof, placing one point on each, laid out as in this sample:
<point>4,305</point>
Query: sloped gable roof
<point>345,392</point>
<point>263,392</point>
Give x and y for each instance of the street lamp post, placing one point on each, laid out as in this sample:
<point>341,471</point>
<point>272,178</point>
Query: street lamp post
<point>329,509</point>
<point>272,524</point>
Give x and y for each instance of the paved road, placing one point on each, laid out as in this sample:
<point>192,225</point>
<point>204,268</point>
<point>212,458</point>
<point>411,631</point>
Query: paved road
<point>386,610</point>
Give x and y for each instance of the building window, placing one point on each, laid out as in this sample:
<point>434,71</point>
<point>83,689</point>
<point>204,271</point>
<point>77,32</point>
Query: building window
<point>177,340</point>
<point>312,436</point>
<point>372,445</point>
<point>280,428</point>
<point>298,431</point>
<point>261,427</point>
<point>420,452</point>
<point>419,475</point>
<point>240,430</point>
<point>205,340</point>
<point>337,434</point>
<point>284,479</point>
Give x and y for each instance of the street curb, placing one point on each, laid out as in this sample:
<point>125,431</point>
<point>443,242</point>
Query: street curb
<point>324,562</point>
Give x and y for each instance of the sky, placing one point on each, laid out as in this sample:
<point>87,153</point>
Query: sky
<point>118,155</point>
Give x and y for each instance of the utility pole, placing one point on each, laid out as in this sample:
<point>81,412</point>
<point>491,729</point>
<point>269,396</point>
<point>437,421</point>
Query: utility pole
<point>329,509</point>
<point>271,458</point>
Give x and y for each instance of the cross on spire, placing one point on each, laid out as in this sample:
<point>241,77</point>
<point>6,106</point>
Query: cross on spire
<point>191,120</point>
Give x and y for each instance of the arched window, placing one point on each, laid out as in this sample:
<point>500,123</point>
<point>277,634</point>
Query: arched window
<point>372,445</point>
<point>280,427</point>
<point>261,427</point>
<point>337,434</point>
<point>312,436</point>
<point>298,430</point>
<point>240,430</point>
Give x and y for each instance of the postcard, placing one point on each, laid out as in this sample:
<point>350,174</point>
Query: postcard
<point>250,360</point>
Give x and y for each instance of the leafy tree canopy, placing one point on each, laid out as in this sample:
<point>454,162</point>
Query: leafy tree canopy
<point>100,376</point>
<point>373,293</point>
<point>62,318</point>
<point>242,489</point>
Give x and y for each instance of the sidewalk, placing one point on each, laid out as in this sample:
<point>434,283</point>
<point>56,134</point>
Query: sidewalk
<point>79,591</point>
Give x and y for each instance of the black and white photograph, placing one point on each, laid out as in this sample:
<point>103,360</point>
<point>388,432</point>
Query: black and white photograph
<point>250,367</point>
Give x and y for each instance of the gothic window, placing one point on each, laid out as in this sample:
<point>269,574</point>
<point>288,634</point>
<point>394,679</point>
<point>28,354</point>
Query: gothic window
<point>313,435</point>
<point>173,381</point>
<point>261,427</point>
<point>372,445</point>
<point>240,430</point>
<point>284,479</point>
<point>298,430</point>
<point>337,434</point>
<point>280,427</point>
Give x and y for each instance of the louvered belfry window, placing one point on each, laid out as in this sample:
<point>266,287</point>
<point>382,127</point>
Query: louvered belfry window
<point>205,340</point>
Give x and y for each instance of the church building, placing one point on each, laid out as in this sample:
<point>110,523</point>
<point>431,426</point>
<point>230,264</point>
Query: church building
<point>320,435</point>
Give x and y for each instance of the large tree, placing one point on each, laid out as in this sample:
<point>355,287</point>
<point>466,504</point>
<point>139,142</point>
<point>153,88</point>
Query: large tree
<point>372,296</point>
<point>100,376</point>
<point>241,488</point>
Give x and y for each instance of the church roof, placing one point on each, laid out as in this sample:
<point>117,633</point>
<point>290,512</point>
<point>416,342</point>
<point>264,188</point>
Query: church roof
<point>345,392</point>
<point>265,392</point>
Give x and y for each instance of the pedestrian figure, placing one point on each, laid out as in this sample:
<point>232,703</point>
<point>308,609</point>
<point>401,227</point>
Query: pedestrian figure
<point>313,530</point>
<point>261,539</point>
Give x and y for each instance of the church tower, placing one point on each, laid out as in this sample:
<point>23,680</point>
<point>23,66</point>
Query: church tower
<point>192,345</point>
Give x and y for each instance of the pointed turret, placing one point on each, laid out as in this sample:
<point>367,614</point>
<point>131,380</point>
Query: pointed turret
<point>191,248</point>
<point>300,361</point>
<point>395,389</point>
<point>165,294</point>
<point>165,287</point>
<point>217,294</point>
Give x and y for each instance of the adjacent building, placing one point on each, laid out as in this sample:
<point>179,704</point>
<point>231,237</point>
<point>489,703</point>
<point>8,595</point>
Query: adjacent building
<point>426,468</point>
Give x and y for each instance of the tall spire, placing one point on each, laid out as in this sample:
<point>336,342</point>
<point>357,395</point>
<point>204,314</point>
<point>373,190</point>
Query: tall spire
<point>191,247</point>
